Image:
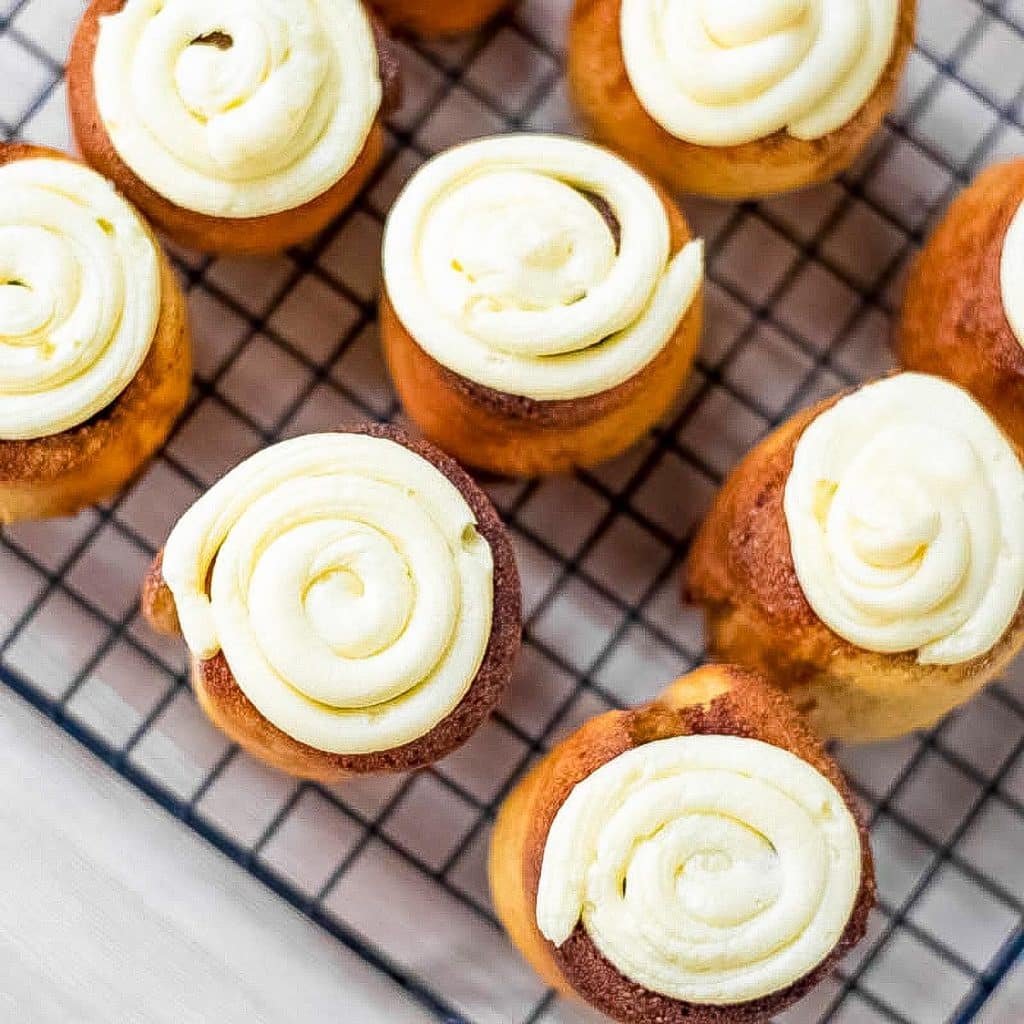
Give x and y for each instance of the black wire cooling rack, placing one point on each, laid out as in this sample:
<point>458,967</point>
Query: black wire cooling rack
<point>801,291</point>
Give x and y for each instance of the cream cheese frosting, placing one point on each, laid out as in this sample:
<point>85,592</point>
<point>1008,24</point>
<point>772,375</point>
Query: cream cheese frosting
<point>723,73</point>
<point>349,589</point>
<point>239,108</point>
<point>502,266</point>
<point>79,296</point>
<point>905,508</point>
<point>1012,274</point>
<point>709,869</point>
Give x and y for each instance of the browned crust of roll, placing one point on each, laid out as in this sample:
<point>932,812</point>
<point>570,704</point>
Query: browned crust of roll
<point>714,700</point>
<point>777,163</point>
<point>953,322</point>
<point>515,436</point>
<point>227,706</point>
<point>433,18</point>
<point>230,235</point>
<point>740,569</point>
<point>61,474</point>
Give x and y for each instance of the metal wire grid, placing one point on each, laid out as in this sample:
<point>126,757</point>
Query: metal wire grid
<point>619,493</point>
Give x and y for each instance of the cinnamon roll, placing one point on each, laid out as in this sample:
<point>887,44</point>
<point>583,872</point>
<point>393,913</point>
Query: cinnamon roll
<point>243,126</point>
<point>95,358</point>
<point>696,859</point>
<point>541,304</point>
<point>963,313</point>
<point>869,557</point>
<point>350,601</point>
<point>429,18</point>
<point>738,100</point>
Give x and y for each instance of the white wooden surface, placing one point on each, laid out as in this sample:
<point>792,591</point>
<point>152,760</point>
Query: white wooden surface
<point>112,912</point>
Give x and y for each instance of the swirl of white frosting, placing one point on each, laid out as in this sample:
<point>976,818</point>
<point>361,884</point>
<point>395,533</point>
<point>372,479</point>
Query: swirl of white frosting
<point>503,268</point>
<point>722,73</point>
<point>905,508</point>
<point>345,581</point>
<point>238,108</point>
<point>1012,274</point>
<point>79,296</point>
<point>709,869</point>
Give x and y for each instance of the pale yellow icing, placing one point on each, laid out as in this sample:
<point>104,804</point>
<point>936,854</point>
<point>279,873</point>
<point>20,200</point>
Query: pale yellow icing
<point>722,72</point>
<point>905,508</point>
<point>709,869</point>
<point>350,591</point>
<point>1012,274</point>
<point>502,269</point>
<point>79,296</point>
<point>238,108</point>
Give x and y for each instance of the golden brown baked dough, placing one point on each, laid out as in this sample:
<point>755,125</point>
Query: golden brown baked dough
<point>713,701</point>
<point>741,572</point>
<point>514,435</point>
<point>232,235</point>
<point>60,474</point>
<point>230,709</point>
<point>430,18</point>
<point>778,163</point>
<point>953,322</point>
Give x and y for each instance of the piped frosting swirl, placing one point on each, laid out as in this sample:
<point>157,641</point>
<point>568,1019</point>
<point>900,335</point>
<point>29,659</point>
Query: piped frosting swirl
<point>239,108</point>
<point>709,869</point>
<point>723,73</point>
<point>905,509</point>
<point>344,579</point>
<point>79,296</point>
<point>537,265</point>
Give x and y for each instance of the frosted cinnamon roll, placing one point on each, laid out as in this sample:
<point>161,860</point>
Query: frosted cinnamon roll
<point>241,126</point>
<point>541,304</point>
<point>95,361</point>
<point>963,313</point>
<point>869,557</point>
<point>350,602</point>
<point>696,859</point>
<point>738,100</point>
<point>430,18</point>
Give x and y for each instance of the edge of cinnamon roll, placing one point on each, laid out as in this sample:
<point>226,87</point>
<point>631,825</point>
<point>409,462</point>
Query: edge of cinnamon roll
<point>954,321</point>
<point>60,474</point>
<point>717,700</point>
<point>264,234</point>
<point>231,710</point>
<point>741,572</point>
<point>604,95</point>
<point>429,18</point>
<point>516,435</point>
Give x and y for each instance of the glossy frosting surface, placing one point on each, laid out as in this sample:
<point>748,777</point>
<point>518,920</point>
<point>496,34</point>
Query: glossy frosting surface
<point>345,581</point>
<point>537,265</point>
<point>905,508</point>
<point>724,72</point>
<point>79,296</point>
<point>238,108</point>
<point>1012,274</point>
<point>709,869</point>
